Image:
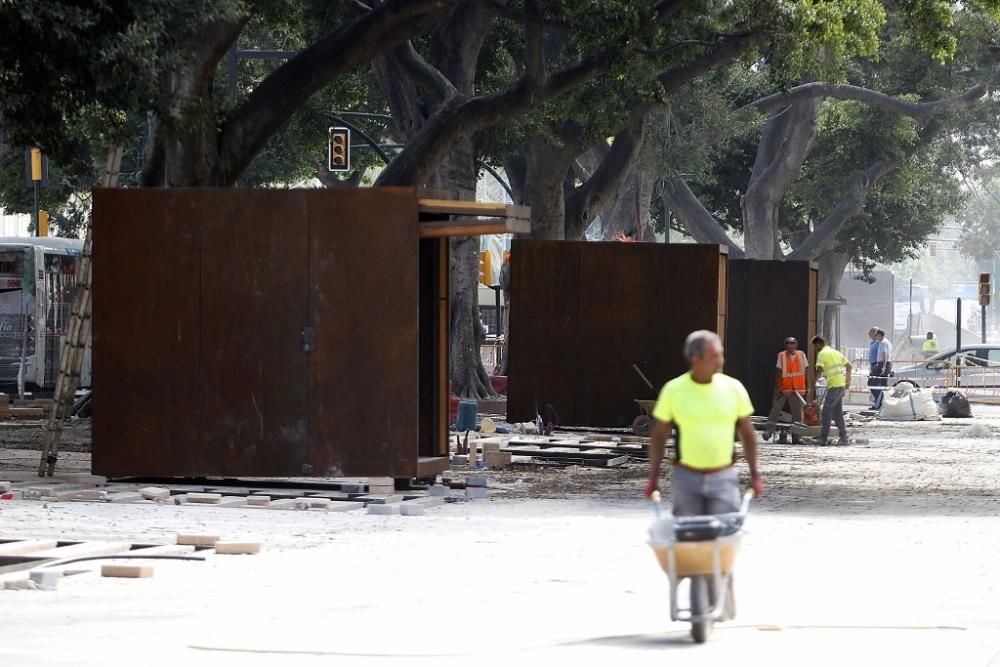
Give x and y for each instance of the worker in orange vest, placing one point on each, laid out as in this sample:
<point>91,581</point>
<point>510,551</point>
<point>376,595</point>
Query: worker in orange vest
<point>790,384</point>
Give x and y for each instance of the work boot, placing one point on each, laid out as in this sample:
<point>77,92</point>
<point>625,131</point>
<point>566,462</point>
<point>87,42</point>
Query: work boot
<point>843,440</point>
<point>767,435</point>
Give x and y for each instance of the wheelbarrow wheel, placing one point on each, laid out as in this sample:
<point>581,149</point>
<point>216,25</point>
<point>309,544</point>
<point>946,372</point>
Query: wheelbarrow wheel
<point>699,605</point>
<point>642,425</point>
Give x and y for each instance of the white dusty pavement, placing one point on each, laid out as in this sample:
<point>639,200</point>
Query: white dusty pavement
<point>882,554</point>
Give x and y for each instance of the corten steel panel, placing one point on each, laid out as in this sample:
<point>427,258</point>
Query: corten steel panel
<point>769,301</point>
<point>543,360</point>
<point>363,374</point>
<point>254,268</point>
<point>635,304</point>
<point>145,331</point>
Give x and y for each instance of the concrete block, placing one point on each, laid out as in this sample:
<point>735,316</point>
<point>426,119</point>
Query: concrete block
<point>475,480</point>
<point>45,580</point>
<point>430,501</point>
<point>460,460</point>
<point>301,504</point>
<point>124,497</point>
<point>383,509</point>
<point>127,571</point>
<point>258,501</point>
<point>197,540</point>
<point>345,506</point>
<point>87,494</point>
<point>283,504</point>
<point>491,448</point>
<point>412,508</point>
<point>439,490</point>
<point>237,547</point>
<point>498,459</point>
<point>475,492</point>
<point>205,498</point>
<point>353,488</point>
<point>155,493</point>
<point>381,500</point>
<point>5,487</point>
<point>19,585</point>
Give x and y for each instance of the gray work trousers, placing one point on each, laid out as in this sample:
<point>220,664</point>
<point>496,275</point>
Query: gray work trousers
<point>833,410</point>
<point>697,493</point>
<point>795,405</point>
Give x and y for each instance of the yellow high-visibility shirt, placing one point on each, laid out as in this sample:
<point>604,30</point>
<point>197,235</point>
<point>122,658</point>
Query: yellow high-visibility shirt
<point>705,416</point>
<point>834,368</point>
<point>931,346</point>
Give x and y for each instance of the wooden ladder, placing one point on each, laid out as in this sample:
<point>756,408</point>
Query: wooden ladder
<point>75,342</point>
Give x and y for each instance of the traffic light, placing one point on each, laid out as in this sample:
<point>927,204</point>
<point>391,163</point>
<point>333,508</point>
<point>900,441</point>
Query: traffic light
<point>340,149</point>
<point>485,268</point>
<point>985,289</point>
<point>43,222</point>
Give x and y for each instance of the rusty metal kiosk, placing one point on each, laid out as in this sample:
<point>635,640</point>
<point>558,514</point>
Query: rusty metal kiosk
<point>274,333</point>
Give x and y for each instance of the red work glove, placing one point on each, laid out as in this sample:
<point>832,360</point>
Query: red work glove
<point>652,485</point>
<point>757,484</point>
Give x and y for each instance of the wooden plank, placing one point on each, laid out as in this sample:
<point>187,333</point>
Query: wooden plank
<point>163,550</point>
<point>22,547</point>
<point>473,227</point>
<point>454,207</point>
<point>432,465</point>
<point>85,549</point>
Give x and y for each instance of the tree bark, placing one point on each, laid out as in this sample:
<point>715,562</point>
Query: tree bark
<point>697,221</point>
<point>628,214</point>
<point>605,184</point>
<point>785,143</point>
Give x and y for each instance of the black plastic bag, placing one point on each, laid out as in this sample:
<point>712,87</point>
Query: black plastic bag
<point>955,404</point>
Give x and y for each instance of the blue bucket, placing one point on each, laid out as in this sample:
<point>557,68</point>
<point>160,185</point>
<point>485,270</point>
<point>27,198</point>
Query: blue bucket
<point>466,418</point>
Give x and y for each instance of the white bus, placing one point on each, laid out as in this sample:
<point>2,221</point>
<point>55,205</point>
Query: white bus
<point>38,281</point>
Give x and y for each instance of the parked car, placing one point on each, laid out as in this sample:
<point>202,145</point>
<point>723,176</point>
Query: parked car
<point>972,366</point>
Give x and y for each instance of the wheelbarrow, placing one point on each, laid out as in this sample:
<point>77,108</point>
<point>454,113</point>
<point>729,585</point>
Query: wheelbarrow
<point>643,424</point>
<point>701,550</point>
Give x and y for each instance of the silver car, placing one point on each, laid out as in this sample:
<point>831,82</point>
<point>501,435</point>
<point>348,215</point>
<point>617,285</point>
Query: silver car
<point>972,366</point>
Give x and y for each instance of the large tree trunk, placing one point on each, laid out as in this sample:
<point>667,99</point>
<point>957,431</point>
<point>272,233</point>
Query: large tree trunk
<point>629,212</point>
<point>785,143</point>
<point>545,176</point>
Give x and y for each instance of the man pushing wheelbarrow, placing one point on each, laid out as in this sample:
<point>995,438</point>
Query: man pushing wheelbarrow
<point>706,408</point>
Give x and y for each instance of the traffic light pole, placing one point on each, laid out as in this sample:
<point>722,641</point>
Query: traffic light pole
<point>983,324</point>
<point>36,207</point>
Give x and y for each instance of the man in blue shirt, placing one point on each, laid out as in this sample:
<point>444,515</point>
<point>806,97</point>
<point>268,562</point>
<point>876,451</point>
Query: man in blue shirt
<point>874,379</point>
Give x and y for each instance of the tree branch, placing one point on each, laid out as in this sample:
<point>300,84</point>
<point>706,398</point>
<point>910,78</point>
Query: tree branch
<point>462,115</point>
<point>917,110</point>
<point>423,72</point>
<point>355,43</point>
<point>723,51</point>
<point>597,191</point>
<point>667,8</point>
<point>848,207</point>
<point>534,39</point>
<point>698,222</point>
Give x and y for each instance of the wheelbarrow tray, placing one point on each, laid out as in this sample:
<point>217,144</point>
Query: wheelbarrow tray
<point>692,559</point>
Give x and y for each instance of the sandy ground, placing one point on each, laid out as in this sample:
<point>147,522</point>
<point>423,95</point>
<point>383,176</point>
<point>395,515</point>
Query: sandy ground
<point>877,554</point>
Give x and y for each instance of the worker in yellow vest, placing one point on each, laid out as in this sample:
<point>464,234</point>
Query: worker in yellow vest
<point>930,346</point>
<point>790,384</point>
<point>837,369</point>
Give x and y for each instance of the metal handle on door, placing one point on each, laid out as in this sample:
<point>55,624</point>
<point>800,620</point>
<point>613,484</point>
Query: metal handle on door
<point>308,339</point>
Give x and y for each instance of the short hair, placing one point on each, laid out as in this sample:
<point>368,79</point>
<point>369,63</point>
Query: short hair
<point>873,328</point>
<point>930,334</point>
<point>880,332</point>
<point>818,340</point>
<point>694,345</point>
